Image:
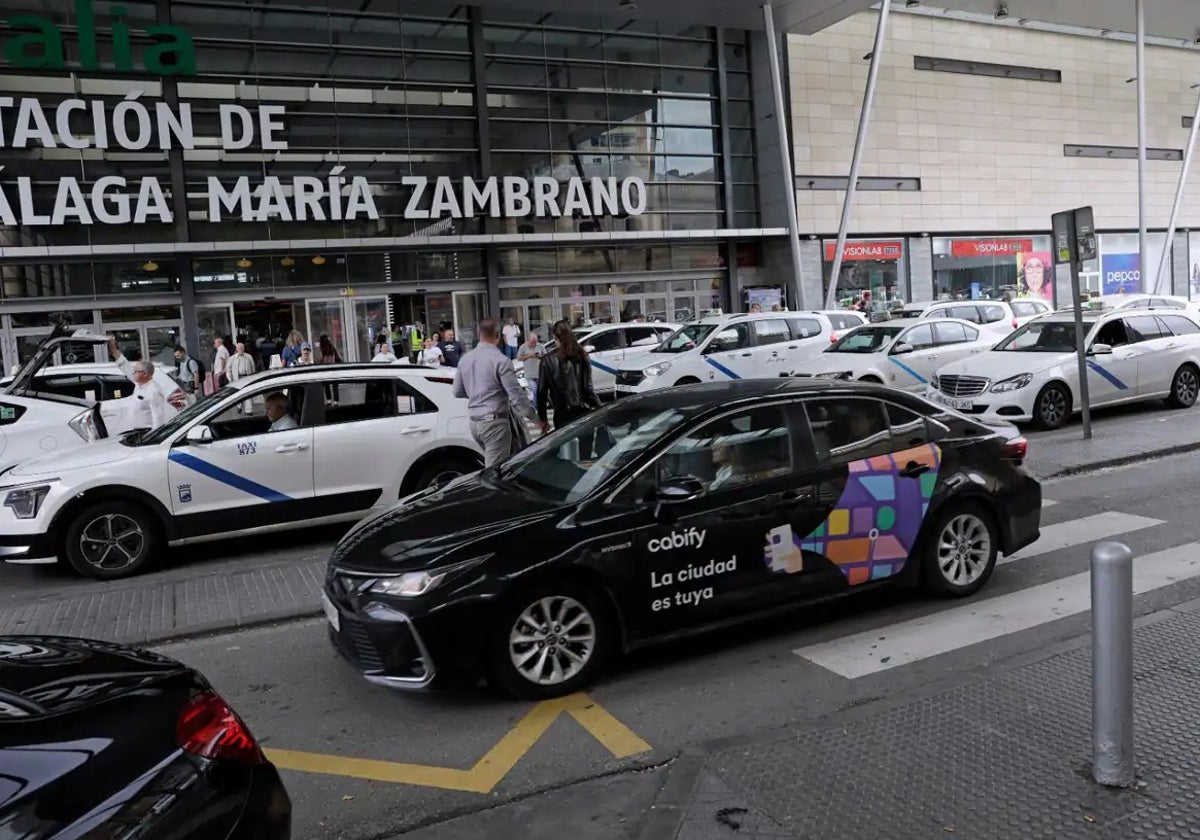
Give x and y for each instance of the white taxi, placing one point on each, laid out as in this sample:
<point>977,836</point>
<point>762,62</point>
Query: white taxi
<point>279,450</point>
<point>726,347</point>
<point>996,315</point>
<point>1033,376</point>
<point>902,355</point>
<point>609,345</point>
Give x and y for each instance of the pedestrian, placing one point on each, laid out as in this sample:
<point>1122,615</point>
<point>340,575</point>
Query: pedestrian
<point>451,350</point>
<point>432,354</point>
<point>306,355</point>
<point>486,379</point>
<point>327,354</point>
<point>415,342</point>
<point>220,366</point>
<point>383,351</point>
<point>190,372</point>
<point>291,348</point>
<point>531,357</point>
<point>149,407</point>
<point>512,338</point>
<point>267,348</point>
<point>565,383</point>
<point>241,364</point>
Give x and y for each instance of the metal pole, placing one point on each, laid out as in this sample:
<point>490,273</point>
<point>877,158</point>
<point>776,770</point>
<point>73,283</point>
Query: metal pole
<point>1179,190</point>
<point>1085,397</point>
<point>785,150</point>
<point>1112,665</point>
<point>1140,52</point>
<point>864,118</point>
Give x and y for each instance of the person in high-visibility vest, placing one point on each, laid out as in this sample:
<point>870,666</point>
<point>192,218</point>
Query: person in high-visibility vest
<point>416,343</point>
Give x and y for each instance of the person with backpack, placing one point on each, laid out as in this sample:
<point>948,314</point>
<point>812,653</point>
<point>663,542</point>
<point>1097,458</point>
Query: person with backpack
<point>190,371</point>
<point>565,382</point>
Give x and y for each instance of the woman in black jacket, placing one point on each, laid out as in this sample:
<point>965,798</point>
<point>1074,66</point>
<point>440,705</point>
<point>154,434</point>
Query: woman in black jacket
<point>565,380</point>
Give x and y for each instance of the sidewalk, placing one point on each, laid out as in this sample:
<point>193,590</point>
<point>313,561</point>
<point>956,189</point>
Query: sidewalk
<point>1005,756</point>
<point>141,613</point>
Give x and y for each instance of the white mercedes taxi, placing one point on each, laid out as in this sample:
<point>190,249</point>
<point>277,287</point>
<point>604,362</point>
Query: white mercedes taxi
<point>903,355</point>
<point>282,449</point>
<point>1033,376</point>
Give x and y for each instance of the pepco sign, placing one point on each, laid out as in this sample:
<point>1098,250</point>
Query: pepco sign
<point>890,250</point>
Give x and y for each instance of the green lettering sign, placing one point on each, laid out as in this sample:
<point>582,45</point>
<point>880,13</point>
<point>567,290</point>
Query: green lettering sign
<point>39,44</point>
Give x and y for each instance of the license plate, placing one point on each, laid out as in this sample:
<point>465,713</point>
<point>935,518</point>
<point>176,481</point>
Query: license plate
<point>958,404</point>
<point>331,613</point>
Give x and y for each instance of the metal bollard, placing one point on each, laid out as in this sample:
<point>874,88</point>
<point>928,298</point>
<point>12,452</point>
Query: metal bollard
<point>1112,664</point>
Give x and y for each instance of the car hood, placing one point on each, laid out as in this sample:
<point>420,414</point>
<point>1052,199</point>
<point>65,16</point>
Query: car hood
<point>639,360</point>
<point>461,521</point>
<point>836,362</point>
<point>46,675</point>
<point>1001,364</point>
<point>84,456</point>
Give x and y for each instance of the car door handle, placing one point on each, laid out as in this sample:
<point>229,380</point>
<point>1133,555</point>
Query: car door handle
<point>415,430</point>
<point>913,470</point>
<point>291,447</point>
<point>747,355</point>
<point>797,496</point>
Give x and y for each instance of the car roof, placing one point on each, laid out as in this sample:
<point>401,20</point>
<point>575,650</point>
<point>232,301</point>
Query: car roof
<point>698,398</point>
<point>338,370</point>
<point>757,316</point>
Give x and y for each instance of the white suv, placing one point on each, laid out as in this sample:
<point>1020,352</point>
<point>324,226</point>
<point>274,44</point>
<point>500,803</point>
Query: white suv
<point>723,347</point>
<point>353,437</point>
<point>608,346</point>
<point>995,315</point>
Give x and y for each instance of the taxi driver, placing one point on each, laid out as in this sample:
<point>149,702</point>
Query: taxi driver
<point>278,411</point>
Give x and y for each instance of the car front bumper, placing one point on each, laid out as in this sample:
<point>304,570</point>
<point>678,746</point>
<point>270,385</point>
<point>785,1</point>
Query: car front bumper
<point>28,549</point>
<point>1006,406</point>
<point>402,649</point>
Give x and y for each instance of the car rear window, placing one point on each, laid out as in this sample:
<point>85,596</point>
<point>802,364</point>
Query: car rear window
<point>1025,309</point>
<point>844,322</point>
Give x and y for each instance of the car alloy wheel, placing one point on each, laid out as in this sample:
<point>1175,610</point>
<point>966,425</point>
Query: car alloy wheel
<point>552,640</point>
<point>1052,407</point>
<point>1185,388</point>
<point>964,549</point>
<point>112,542</point>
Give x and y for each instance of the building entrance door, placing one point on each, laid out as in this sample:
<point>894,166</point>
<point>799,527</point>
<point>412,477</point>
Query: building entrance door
<point>350,323</point>
<point>149,340</point>
<point>468,309</point>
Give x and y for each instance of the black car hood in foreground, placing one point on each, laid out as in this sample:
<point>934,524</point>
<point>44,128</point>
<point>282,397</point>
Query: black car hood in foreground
<point>48,675</point>
<point>421,532</point>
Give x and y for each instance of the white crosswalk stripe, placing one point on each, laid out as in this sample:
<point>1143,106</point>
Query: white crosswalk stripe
<point>1048,503</point>
<point>891,646</point>
<point>1074,532</point>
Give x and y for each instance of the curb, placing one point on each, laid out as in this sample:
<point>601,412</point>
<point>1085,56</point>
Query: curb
<point>666,815</point>
<point>213,628</point>
<point>1121,461</point>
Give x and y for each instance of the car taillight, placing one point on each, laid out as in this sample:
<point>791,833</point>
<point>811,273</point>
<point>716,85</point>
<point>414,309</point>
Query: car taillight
<point>1014,323</point>
<point>833,338</point>
<point>210,728</point>
<point>1016,448</point>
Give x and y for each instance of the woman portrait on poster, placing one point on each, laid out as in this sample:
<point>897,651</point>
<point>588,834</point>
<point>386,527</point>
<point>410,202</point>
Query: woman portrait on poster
<point>1031,277</point>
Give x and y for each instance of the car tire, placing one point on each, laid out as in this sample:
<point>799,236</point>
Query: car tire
<point>871,380</point>
<point>1185,387</point>
<point>531,664</point>
<point>959,550</point>
<point>442,470</point>
<point>111,540</point>
<point>1052,408</point>
<point>687,380</point>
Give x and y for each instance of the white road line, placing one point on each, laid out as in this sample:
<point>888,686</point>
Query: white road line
<point>1048,503</point>
<point>1086,529</point>
<point>911,641</point>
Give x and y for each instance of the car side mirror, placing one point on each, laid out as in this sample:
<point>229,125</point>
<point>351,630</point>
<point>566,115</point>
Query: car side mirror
<point>673,491</point>
<point>200,434</point>
<point>901,349</point>
<point>1100,350</point>
<point>589,348</point>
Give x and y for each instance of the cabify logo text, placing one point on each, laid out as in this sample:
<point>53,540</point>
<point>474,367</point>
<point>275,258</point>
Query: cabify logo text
<point>37,43</point>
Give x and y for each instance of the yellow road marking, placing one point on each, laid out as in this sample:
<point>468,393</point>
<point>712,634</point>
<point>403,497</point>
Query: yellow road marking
<point>490,770</point>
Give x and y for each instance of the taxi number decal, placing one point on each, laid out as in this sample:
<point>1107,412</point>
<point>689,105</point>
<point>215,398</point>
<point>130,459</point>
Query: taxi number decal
<point>247,448</point>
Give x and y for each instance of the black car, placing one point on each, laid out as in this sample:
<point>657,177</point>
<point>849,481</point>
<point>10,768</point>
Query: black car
<point>672,512</point>
<point>100,740</point>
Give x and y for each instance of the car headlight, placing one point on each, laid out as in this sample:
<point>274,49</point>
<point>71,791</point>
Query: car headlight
<point>1013,383</point>
<point>84,425</point>
<point>414,584</point>
<point>658,369</point>
<point>25,502</point>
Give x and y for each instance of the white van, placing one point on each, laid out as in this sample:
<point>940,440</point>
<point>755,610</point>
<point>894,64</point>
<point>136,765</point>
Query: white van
<point>763,345</point>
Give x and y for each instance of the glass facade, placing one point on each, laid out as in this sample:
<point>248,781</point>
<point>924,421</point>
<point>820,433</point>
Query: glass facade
<point>989,268</point>
<point>873,270</point>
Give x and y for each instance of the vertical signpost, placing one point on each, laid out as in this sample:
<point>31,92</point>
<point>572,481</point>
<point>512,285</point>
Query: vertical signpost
<point>1074,244</point>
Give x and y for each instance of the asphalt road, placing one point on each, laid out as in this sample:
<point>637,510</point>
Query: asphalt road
<point>298,696</point>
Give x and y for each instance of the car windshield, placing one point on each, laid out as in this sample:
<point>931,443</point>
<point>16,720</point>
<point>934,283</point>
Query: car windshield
<point>1041,337</point>
<point>865,340</point>
<point>181,420</point>
<point>685,339</point>
<point>569,464</point>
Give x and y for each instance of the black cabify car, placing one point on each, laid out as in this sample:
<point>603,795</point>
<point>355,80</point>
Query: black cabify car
<point>101,740</point>
<point>673,512</point>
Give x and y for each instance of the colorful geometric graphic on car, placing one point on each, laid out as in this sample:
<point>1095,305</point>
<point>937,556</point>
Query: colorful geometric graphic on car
<point>875,523</point>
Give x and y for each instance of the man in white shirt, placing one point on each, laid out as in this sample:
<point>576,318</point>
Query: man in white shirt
<point>148,408</point>
<point>512,338</point>
<point>220,366</point>
<point>278,412</point>
<point>241,364</point>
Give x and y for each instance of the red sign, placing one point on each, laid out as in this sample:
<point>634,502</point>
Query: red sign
<point>892,250</point>
<point>990,247</point>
